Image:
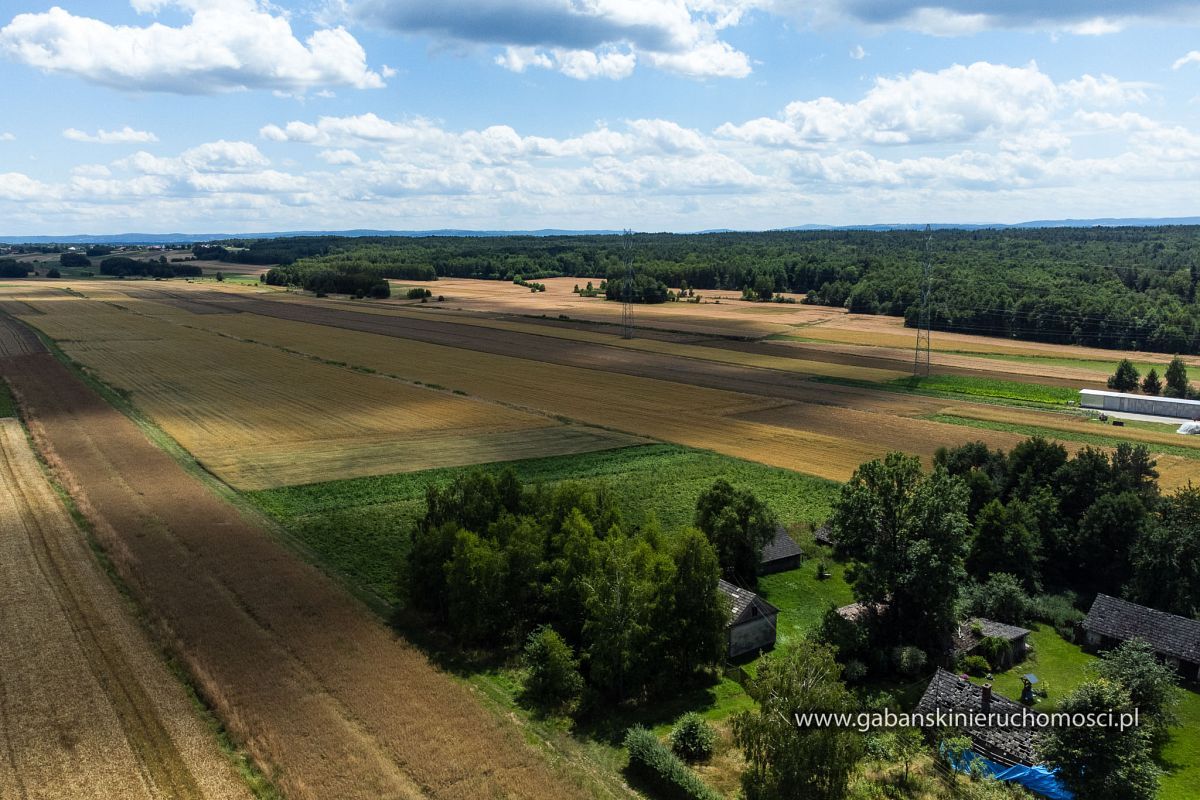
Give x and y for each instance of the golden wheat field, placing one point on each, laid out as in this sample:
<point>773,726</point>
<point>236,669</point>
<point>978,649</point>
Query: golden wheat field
<point>89,711</point>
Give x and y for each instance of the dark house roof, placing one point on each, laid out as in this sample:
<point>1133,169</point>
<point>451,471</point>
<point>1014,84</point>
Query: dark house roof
<point>824,535</point>
<point>780,548</point>
<point>744,604</point>
<point>953,693</point>
<point>965,637</point>
<point>1168,634</point>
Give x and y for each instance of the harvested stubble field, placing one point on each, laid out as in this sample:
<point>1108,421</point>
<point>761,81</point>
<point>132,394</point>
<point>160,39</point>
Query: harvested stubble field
<point>772,416</point>
<point>322,694</point>
<point>667,391</point>
<point>248,413</point>
<point>87,708</point>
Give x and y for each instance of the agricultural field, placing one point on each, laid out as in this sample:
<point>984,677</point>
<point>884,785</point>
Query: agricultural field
<point>90,710</point>
<point>324,420</point>
<point>320,692</point>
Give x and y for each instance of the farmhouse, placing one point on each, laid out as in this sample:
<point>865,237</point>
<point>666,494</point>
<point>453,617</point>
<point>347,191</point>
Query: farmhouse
<point>751,621</point>
<point>951,694</point>
<point>780,554</point>
<point>970,635</point>
<point>1175,639</point>
<point>1139,404</point>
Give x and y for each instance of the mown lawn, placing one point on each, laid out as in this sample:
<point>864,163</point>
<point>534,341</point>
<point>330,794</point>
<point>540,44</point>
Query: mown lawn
<point>1096,439</point>
<point>361,526</point>
<point>1061,666</point>
<point>802,598</point>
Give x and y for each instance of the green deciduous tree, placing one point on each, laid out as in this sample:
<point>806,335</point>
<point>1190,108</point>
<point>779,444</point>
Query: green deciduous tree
<point>738,524</point>
<point>1150,683</point>
<point>553,680</point>
<point>1166,559</point>
<point>693,611</point>
<point>907,535</point>
<point>1102,762</point>
<point>783,761</point>
<point>1006,540</point>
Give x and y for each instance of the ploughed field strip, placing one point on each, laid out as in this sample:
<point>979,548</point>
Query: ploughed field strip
<point>87,708</point>
<point>324,696</point>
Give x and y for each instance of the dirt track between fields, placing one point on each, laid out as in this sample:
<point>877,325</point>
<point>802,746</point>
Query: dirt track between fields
<point>322,693</point>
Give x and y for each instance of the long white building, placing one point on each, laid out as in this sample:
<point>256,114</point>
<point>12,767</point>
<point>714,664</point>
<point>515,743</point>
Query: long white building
<point>1139,404</point>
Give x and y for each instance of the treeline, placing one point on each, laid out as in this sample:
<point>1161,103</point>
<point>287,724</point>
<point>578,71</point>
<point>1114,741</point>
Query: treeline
<point>1123,288</point>
<point>635,610</point>
<point>122,266</point>
<point>325,280</point>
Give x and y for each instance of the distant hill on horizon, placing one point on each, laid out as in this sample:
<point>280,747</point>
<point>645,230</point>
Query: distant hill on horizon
<point>187,238</point>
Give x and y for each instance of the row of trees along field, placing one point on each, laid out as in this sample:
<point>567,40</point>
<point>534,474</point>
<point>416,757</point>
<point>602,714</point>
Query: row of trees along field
<point>1123,288</point>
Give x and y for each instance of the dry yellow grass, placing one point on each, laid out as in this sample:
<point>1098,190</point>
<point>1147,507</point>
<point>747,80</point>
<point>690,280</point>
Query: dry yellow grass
<point>261,417</point>
<point>88,710</point>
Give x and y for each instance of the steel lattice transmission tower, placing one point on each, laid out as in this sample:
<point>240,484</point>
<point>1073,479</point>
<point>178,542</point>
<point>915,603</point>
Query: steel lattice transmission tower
<point>627,288</point>
<point>921,359</point>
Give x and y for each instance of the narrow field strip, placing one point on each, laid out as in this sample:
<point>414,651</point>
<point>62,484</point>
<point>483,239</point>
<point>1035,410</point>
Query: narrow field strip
<point>87,710</point>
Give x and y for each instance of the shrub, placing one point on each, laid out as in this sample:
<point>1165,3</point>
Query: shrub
<point>974,665</point>
<point>854,671</point>
<point>909,661</point>
<point>554,681</point>
<point>1058,610</point>
<point>1002,599</point>
<point>417,293</point>
<point>53,273</point>
<point>380,291</point>
<point>667,775</point>
<point>692,738</point>
<point>995,649</point>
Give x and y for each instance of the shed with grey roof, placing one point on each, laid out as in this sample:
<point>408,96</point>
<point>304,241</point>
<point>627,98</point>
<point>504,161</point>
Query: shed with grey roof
<point>780,554</point>
<point>1175,639</point>
<point>970,635</point>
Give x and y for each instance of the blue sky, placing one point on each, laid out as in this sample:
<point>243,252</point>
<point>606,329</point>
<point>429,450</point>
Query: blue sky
<point>248,115</point>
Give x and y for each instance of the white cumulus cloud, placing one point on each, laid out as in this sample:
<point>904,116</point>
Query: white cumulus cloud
<point>126,135</point>
<point>226,45</point>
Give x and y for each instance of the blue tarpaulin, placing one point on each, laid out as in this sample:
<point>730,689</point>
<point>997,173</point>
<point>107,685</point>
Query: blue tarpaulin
<point>1036,779</point>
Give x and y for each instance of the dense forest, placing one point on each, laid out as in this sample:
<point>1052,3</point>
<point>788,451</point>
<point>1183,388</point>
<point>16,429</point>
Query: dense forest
<point>1123,288</point>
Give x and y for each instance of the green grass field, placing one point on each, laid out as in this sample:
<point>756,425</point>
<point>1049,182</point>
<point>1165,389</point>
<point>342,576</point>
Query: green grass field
<point>360,526</point>
<point>1097,439</point>
<point>1062,666</point>
<point>8,407</point>
<point>989,388</point>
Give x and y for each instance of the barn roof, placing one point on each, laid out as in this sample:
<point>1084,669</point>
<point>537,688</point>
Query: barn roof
<point>1168,634</point>
<point>742,601</point>
<point>954,694</point>
<point>780,548</point>
<point>824,534</point>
